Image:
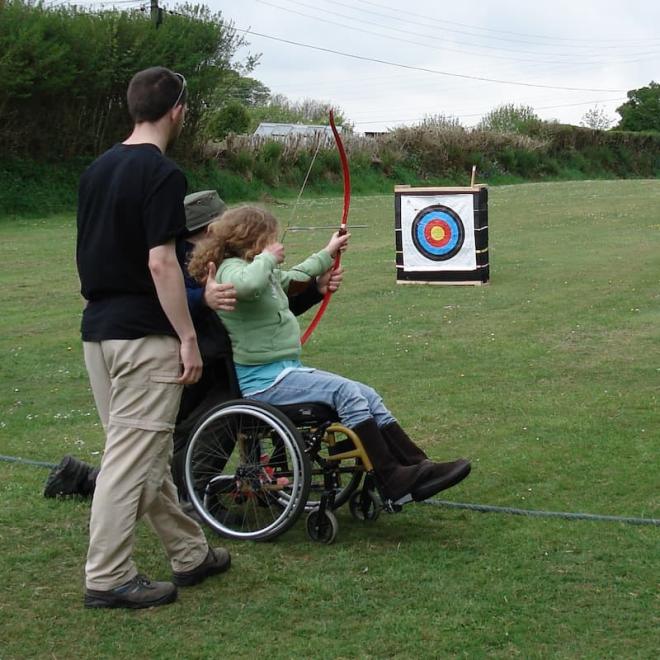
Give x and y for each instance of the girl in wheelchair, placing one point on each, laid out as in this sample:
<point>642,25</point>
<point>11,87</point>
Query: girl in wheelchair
<point>265,338</point>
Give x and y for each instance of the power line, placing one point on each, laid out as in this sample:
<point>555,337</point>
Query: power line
<point>426,70</point>
<point>434,38</point>
<point>389,81</point>
<point>417,42</point>
<point>615,40</point>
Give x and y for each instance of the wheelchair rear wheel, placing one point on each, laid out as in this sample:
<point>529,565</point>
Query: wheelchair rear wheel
<point>246,470</point>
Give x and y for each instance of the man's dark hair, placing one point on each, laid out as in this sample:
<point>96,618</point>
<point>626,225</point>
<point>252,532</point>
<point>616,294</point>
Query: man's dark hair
<point>153,92</point>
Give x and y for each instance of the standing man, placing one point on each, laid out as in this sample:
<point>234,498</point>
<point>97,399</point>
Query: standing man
<point>140,348</point>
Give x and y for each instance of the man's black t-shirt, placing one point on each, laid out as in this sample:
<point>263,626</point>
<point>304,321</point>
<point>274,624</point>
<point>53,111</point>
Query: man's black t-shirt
<point>130,200</point>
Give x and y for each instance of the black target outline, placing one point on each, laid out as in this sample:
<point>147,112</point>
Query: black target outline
<point>459,223</point>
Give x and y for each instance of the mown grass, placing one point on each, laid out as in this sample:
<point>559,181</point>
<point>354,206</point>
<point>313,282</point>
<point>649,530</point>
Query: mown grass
<point>547,378</point>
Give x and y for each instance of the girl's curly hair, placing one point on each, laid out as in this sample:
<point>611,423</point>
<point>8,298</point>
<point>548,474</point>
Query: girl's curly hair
<point>241,232</point>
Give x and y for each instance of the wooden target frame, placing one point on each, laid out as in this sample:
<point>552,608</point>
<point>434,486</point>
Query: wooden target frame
<point>441,235</point>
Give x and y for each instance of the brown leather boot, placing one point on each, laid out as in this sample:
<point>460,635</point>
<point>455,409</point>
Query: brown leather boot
<point>401,445</point>
<point>396,480</point>
<point>440,476</point>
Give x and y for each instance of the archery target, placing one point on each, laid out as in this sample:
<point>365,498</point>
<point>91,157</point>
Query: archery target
<point>437,232</point>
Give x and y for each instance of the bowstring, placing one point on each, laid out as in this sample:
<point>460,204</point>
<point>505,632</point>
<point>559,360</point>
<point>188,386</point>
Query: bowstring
<point>302,188</point>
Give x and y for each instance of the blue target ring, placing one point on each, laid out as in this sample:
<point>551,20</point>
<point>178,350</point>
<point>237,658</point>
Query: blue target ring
<point>438,232</point>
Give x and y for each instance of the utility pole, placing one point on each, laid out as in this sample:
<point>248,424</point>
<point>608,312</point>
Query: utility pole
<point>156,13</point>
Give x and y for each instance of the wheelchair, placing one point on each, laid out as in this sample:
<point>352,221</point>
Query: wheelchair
<point>252,469</point>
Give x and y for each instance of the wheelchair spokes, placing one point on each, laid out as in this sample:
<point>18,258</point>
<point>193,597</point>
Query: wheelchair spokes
<point>248,472</point>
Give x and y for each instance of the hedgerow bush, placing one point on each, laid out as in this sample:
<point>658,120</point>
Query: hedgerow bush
<point>64,72</point>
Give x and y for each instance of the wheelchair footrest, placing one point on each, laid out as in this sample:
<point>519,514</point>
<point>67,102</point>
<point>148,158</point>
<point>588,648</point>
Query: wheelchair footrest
<point>392,506</point>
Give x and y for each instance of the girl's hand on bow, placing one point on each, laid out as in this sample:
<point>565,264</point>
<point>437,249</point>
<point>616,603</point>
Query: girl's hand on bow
<point>338,243</point>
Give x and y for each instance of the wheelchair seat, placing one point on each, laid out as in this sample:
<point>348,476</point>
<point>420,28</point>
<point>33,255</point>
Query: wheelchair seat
<point>299,413</point>
<point>306,413</point>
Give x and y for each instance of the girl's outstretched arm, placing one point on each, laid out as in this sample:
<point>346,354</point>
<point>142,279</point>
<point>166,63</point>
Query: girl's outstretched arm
<point>317,264</point>
<point>309,269</point>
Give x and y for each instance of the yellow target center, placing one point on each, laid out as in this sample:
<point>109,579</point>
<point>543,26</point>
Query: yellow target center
<point>437,233</point>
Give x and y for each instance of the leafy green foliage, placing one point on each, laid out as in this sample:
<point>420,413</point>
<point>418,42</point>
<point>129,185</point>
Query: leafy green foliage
<point>235,87</point>
<point>641,112</point>
<point>510,118</point>
<point>230,118</point>
<point>64,72</point>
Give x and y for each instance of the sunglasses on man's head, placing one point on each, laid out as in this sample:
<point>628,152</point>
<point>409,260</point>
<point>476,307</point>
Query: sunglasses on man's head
<point>184,84</point>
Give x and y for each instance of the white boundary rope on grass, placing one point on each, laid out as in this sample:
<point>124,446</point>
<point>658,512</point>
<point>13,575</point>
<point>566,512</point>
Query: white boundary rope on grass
<point>482,508</point>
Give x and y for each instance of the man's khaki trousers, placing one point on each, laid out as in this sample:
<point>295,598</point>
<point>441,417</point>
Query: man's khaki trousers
<point>137,397</point>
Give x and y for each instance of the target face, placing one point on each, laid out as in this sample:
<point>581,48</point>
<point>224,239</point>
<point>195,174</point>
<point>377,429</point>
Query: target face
<point>438,232</point>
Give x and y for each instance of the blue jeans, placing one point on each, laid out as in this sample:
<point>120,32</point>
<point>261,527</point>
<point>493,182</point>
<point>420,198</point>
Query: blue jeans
<point>354,402</point>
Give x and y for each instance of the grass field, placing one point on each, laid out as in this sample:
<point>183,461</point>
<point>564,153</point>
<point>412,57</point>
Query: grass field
<point>547,379</point>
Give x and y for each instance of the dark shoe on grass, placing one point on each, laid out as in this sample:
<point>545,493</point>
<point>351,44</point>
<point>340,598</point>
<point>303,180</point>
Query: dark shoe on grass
<point>135,594</point>
<point>218,560</point>
<point>71,477</point>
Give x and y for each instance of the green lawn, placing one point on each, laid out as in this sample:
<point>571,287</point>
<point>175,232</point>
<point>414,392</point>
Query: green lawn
<point>547,379</point>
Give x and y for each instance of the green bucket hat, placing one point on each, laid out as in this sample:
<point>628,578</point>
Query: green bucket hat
<point>201,209</point>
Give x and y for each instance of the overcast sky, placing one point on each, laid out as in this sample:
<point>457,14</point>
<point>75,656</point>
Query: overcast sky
<point>600,48</point>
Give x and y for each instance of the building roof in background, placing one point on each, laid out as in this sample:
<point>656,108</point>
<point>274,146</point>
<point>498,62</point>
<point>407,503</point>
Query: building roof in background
<point>283,130</point>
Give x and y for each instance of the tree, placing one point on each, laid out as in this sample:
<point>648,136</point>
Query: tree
<point>235,87</point>
<point>509,118</point>
<point>596,118</point>
<point>64,72</point>
<point>232,117</point>
<point>641,112</point>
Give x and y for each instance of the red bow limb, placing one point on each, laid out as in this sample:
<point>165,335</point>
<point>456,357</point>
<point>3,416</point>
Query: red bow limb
<point>342,227</point>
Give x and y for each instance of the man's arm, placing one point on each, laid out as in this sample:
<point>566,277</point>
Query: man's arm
<point>314,291</point>
<point>218,297</point>
<point>168,280</point>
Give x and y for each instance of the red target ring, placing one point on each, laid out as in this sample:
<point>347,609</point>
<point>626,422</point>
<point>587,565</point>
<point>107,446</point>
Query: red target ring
<point>437,233</point>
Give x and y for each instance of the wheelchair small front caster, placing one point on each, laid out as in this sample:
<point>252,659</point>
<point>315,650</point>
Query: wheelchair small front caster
<point>364,505</point>
<point>322,527</point>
